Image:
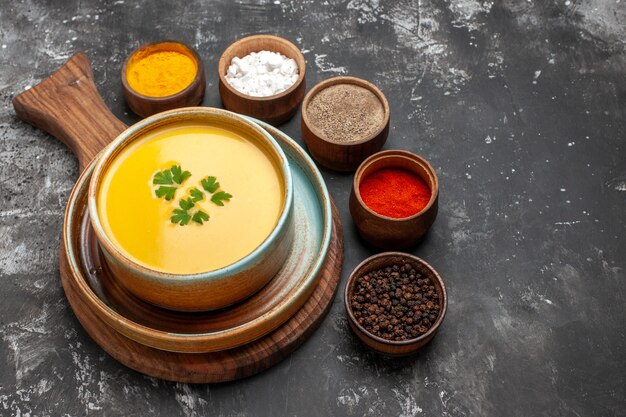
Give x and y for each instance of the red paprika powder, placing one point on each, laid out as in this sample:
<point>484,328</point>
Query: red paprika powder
<point>395,192</point>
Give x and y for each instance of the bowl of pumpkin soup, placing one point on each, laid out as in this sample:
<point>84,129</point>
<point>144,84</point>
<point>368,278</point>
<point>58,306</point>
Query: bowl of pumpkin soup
<point>192,208</point>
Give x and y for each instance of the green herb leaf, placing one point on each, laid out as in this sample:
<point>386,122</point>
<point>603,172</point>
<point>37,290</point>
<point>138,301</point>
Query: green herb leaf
<point>178,175</point>
<point>218,198</point>
<point>200,216</point>
<point>196,195</point>
<point>169,181</point>
<point>164,191</point>
<point>210,184</point>
<point>163,177</point>
<point>180,216</point>
<point>186,204</point>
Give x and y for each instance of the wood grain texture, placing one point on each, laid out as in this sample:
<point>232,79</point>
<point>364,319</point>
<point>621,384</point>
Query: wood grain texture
<point>199,332</point>
<point>217,366</point>
<point>275,109</point>
<point>387,232</point>
<point>192,95</point>
<point>68,106</point>
<point>339,156</point>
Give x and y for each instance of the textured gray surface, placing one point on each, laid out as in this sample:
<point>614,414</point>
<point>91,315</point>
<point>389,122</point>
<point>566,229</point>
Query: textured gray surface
<point>520,106</point>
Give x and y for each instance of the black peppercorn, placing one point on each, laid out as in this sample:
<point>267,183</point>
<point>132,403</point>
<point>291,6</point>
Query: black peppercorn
<point>395,303</point>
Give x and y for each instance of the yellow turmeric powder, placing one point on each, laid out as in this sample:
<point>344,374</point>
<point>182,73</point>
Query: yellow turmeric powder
<point>160,73</point>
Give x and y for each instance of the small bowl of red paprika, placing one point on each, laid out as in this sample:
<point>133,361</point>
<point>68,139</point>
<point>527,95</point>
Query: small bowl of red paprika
<point>394,199</point>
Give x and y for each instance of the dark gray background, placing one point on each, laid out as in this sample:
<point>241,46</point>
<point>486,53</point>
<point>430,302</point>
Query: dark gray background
<point>519,104</point>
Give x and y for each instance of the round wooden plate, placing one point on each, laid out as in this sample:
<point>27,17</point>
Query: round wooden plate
<point>215,330</point>
<point>220,366</point>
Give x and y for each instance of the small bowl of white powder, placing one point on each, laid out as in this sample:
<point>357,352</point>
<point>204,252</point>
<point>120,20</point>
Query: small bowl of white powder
<point>262,76</point>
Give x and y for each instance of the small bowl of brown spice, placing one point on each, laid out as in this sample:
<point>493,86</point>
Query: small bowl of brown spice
<point>344,120</point>
<point>395,303</point>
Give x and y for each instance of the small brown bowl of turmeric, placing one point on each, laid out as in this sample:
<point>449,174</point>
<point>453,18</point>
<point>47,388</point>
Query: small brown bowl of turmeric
<point>163,76</point>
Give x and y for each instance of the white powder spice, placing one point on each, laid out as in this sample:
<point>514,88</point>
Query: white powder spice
<point>262,74</point>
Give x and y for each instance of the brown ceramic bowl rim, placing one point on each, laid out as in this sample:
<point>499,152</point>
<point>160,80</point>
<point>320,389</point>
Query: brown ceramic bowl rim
<point>137,132</point>
<point>345,80</point>
<point>192,85</point>
<point>222,67</point>
<point>151,337</point>
<point>410,156</point>
<point>356,273</point>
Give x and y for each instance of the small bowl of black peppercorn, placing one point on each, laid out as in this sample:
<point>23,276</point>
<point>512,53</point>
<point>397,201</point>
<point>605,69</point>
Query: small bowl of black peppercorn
<point>395,303</point>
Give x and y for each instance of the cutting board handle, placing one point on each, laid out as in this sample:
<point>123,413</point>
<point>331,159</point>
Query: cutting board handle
<point>68,106</point>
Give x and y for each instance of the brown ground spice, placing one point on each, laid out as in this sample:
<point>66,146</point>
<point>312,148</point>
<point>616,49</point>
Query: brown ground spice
<point>346,112</point>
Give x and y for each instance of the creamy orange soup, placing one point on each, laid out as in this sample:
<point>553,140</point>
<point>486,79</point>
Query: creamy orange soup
<point>141,224</point>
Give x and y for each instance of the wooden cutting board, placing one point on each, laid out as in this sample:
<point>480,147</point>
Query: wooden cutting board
<point>68,106</point>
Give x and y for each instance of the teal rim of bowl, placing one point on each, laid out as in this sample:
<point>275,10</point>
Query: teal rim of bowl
<point>72,208</point>
<point>328,212</point>
<point>236,267</point>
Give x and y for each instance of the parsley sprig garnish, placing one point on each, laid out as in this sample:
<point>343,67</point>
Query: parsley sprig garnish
<point>181,217</point>
<point>210,184</point>
<point>163,177</point>
<point>165,191</point>
<point>169,181</point>
<point>200,216</point>
<point>218,198</point>
<point>196,195</point>
<point>178,175</point>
